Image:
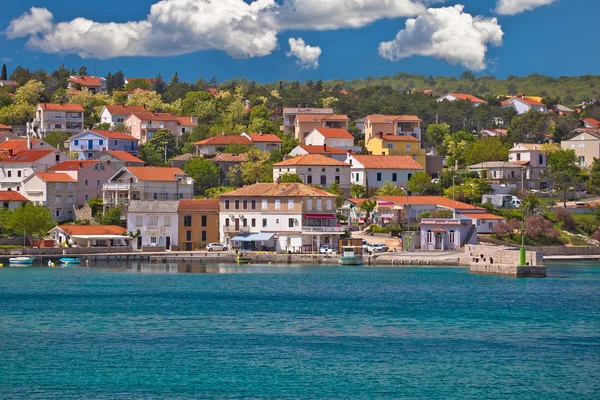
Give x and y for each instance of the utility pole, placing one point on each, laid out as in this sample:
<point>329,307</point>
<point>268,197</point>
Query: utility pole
<point>165,153</point>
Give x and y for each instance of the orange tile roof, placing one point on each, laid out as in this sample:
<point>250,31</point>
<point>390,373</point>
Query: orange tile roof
<point>224,157</point>
<point>468,97</point>
<point>199,205</point>
<point>5,127</point>
<point>124,156</point>
<point>61,107</point>
<point>529,101</point>
<point>11,195</point>
<point>114,135</point>
<point>93,229</point>
<point>18,144</point>
<point>382,119</point>
<point>155,173</point>
<point>429,200</point>
<point>150,116</point>
<point>278,190</point>
<point>335,117</point>
<point>339,133</point>
<point>86,81</point>
<point>185,121</point>
<point>484,216</point>
<point>357,201</point>
<point>226,139</point>
<point>72,165</point>
<point>55,177</point>
<point>397,138</point>
<point>27,156</point>
<point>265,137</point>
<point>593,122</point>
<point>312,159</point>
<point>124,110</point>
<point>312,149</point>
<point>388,162</point>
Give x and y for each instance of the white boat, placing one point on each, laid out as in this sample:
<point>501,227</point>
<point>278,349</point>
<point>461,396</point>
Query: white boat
<point>21,260</point>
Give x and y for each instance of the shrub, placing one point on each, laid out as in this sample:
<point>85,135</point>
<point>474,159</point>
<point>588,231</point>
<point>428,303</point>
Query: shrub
<point>596,235</point>
<point>564,218</point>
<point>441,214</point>
<point>501,229</point>
<point>538,227</point>
<point>586,222</point>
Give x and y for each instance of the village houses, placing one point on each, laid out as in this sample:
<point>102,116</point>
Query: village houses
<point>290,114</point>
<point>57,191</point>
<point>89,175</point>
<point>92,83</point>
<point>51,117</point>
<point>392,125</point>
<point>462,96</point>
<point>306,123</point>
<point>198,223</point>
<point>323,150</point>
<point>90,142</point>
<point>334,137</point>
<point>157,222</point>
<point>14,170</point>
<point>586,144</point>
<point>217,144</point>
<point>117,114</point>
<point>315,170</point>
<point>373,171</point>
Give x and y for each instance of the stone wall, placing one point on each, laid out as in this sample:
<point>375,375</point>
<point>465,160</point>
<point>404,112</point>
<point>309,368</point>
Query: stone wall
<point>510,270</point>
<point>494,260</point>
<point>566,251</point>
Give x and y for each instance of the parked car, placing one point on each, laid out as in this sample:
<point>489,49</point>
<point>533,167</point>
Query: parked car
<point>217,247</point>
<point>377,248</point>
<point>325,249</point>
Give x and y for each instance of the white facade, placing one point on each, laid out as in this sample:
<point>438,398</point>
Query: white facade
<point>316,138</point>
<point>13,173</point>
<point>157,228</point>
<point>60,119</point>
<point>522,106</point>
<point>322,175</point>
<point>89,143</point>
<point>374,178</point>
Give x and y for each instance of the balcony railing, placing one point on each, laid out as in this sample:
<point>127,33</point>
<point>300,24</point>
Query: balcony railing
<point>120,186</point>
<point>232,229</point>
<point>335,229</point>
<point>113,202</point>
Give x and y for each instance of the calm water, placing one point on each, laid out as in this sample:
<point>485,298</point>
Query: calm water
<point>304,332</point>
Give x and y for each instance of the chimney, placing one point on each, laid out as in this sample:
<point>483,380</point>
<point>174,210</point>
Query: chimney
<point>324,146</point>
<point>80,164</point>
<point>260,132</point>
<point>28,142</point>
<point>381,135</point>
<point>145,107</point>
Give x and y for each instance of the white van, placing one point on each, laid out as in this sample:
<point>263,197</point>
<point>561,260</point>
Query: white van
<point>516,202</point>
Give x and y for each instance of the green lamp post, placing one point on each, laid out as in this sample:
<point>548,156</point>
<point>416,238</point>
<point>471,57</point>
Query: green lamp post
<point>522,257</point>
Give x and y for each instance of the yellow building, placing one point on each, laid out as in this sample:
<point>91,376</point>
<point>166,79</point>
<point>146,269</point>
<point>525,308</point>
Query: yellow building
<point>399,146</point>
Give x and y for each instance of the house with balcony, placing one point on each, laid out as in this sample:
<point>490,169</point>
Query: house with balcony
<point>92,83</point>
<point>118,159</point>
<point>524,104</point>
<point>50,117</point>
<point>90,176</point>
<point>117,114</point>
<point>157,222</point>
<point>147,183</point>
<point>90,142</point>
<point>315,169</point>
<point>142,125</point>
<point>14,170</point>
<point>218,144</point>
<point>198,223</point>
<point>462,96</point>
<point>585,142</point>
<point>373,171</point>
<point>57,191</point>
<point>404,145</point>
<point>290,114</point>
<point>11,200</point>
<point>281,216</point>
<point>264,141</point>
<point>306,123</point>
<point>324,150</point>
<point>333,137</point>
<point>392,125</point>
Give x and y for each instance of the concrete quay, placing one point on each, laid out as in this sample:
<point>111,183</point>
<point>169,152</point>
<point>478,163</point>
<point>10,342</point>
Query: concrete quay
<point>503,261</point>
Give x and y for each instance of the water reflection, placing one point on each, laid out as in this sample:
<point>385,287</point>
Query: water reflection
<point>185,268</point>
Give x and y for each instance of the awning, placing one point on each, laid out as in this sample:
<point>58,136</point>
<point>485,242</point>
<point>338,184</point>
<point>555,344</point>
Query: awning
<point>99,237</point>
<point>255,237</point>
<point>320,216</point>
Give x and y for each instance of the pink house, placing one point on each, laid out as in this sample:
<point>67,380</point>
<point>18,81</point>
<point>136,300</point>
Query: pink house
<point>90,175</point>
<point>143,125</point>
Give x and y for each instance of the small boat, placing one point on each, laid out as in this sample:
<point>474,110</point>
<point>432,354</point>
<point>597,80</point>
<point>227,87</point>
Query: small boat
<point>70,260</point>
<point>352,255</point>
<point>21,260</point>
<point>240,259</point>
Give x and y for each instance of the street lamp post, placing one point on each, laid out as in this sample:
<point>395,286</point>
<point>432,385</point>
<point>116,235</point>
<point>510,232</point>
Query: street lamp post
<point>406,210</point>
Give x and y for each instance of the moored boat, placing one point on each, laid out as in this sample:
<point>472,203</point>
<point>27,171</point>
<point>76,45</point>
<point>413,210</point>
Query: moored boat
<point>21,260</point>
<point>70,260</point>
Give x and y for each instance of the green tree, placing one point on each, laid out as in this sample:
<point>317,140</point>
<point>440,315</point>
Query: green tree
<point>154,149</point>
<point>471,190</point>
<point>111,217</point>
<point>335,188</point>
<point>96,205</point>
<point>205,173</point>
<point>31,220</point>
<point>159,85</point>
<point>30,93</point>
<point>290,178</point>
<point>531,205</point>
<point>562,171</point>
<point>192,100</point>
<point>487,149</point>
<point>57,139</point>
<point>4,74</point>
<point>436,133</point>
<point>389,189</point>
<point>215,192</point>
<point>82,71</point>
<point>457,146</point>
<point>236,148</point>
<point>358,191</point>
<point>531,126</point>
<point>593,184</point>
<point>367,207</point>
<point>257,169</point>
<point>138,84</point>
<point>421,183</point>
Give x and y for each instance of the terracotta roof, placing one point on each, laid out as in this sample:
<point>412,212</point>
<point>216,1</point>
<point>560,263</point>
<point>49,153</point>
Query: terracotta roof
<point>493,164</point>
<point>9,83</point>
<point>55,177</point>
<point>396,138</point>
<point>321,117</point>
<point>357,201</point>
<point>278,190</point>
<point>61,107</point>
<point>86,80</point>
<point>335,117</point>
<point>505,103</point>
<point>155,173</point>
<point>124,156</point>
<point>224,157</point>
<point>483,216</point>
<point>311,149</point>
<point>20,144</point>
<point>183,157</point>
<point>335,133</point>
<point>468,97</point>
<point>528,146</point>
<point>28,156</point>
<point>429,200</point>
<point>529,101</point>
<point>147,206</point>
<point>593,122</point>
<point>382,119</point>
<point>124,110</point>
<point>199,205</point>
<point>72,165</point>
<point>93,229</point>
<point>150,116</point>
<point>388,162</point>
<point>4,127</point>
<point>114,135</point>
<point>185,121</point>
<point>11,195</point>
<point>312,159</point>
<point>265,137</point>
<point>226,139</point>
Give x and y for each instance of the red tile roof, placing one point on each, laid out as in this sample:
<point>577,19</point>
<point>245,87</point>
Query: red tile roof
<point>382,119</point>
<point>593,122</point>
<point>11,195</point>
<point>5,127</point>
<point>388,162</point>
<point>93,229</point>
<point>28,156</point>
<point>150,116</point>
<point>278,190</point>
<point>224,157</point>
<point>484,216</point>
<point>114,135</point>
<point>199,205</point>
<point>265,137</point>
<point>335,117</point>
<point>185,121</point>
<point>72,165</point>
<point>88,81</point>
<point>312,159</point>
<point>225,139</point>
<point>124,156</point>
<point>429,200</point>
<point>338,133</point>
<point>55,177</point>
<point>17,145</point>
<point>61,107</point>
<point>468,97</point>
<point>155,173</point>
<point>124,110</point>
<point>311,149</point>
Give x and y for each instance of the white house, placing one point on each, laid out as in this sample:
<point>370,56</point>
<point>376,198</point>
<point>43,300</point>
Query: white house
<point>485,222</point>
<point>15,169</point>
<point>11,199</point>
<point>51,117</point>
<point>157,222</point>
<point>217,144</point>
<point>186,124</point>
<point>90,142</point>
<point>524,104</point>
<point>115,114</point>
<point>373,171</point>
<point>462,96</point>
<point>90,235</point>
<point>336,137</point>
<point>264,141</point>
<point>324,150</point>
<point>286,217</point>
<point>57,191</point>
<point>315,169</point>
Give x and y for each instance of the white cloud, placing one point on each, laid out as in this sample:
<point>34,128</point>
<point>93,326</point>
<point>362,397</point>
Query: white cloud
<point>446,33</point>
<point>37,20</point>
<point>512,7</point>
<point>307,56</point>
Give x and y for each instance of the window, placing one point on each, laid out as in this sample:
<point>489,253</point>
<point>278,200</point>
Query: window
<point>264,224</point>
<point>407,146</point>
<point>237,204</point>
<point>19,173</point>
<point>277,221</point>
<point>226,221</point>
<point>187,220</point>
<point>227,204</point>
<point>319,204</point>
<point>167,220</point>
<point>153,239</point>
<point>253,204</point>
<point>116,142</point>
<point>153,221</point>
<point>390,146</point>
<point>337,179</point>
<point>290,204</point>
<point>451,236</point>
<point>86,197</point>
<point>76,142</point>
<point>58,185</point>
<point>518,156</point>
<point>139,220</point>
<point>541,159</point>
<point>204,236</point>
<point>429,237</point>
<point>9,174</point>
<point>329,204</point>
<point>291,222</point>
<point>101,142</point>
<point>253,222</point>
<point>309,204</point>
<point>357,177</point>
<point>244,222</point>
<point>581,161</point>
<point>322,169</point>
<point>69,186</point>
<point>204,220</point>
<point>85,182</point>
<point>166,196</point>
<point>310,170</point>
<point>245,204</point>
<point>57,126</point>
<point>323,180</point>
<point>337,170</point>
<point>264,204</point>
<point>277,204</point>
<point>394,176</point>
<point>379,177</point>
<point>409,176</point>
<point>98,182</point>
<point>309,179</point>
<point>155,196</point>
<point>57,158</point>
<point>188,235</point>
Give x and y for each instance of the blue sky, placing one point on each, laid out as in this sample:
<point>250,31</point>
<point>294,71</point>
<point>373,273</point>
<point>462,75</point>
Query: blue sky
<point>553,39</point>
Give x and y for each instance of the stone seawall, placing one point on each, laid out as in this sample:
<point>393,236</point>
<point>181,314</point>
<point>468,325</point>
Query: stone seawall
<point>504,261</point>
<point>534,271</point>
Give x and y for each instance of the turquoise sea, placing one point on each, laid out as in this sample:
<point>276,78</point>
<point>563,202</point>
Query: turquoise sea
<point>298,332</point>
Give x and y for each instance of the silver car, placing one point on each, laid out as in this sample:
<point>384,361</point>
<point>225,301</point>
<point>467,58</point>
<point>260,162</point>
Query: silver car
<point>217,247</point>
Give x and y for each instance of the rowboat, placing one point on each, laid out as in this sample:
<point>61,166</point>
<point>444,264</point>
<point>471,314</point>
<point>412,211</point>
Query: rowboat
<point>70,260</point>
<point>21,260</point>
